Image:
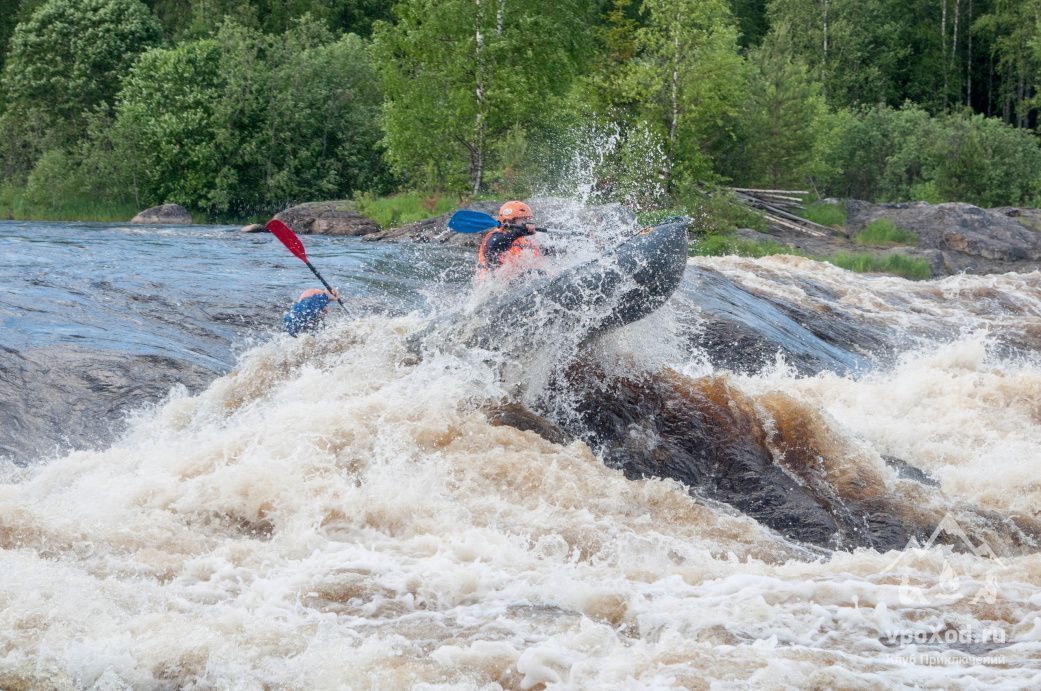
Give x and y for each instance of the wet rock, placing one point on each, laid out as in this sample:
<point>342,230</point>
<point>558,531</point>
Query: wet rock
<point>173,214</point>
<point>252,228</point>
<point>703,436</point>
<point>62,397</point>
<point>771,457</point>
<point>1031,218</point>
<point>742,331</point>
<point>328,218</point>
<point>910,472</point>
<point>517,416</point>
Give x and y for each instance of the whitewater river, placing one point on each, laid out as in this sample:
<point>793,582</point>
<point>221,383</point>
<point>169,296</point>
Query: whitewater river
<point>190,499</point>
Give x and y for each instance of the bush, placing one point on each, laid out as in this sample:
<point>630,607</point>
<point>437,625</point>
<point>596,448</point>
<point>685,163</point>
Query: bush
<point>826,214</point>
<point>245,123</point>
<point>883,154</point>
<point>69,57</point>
<point>882,231</point>
<point>406,207</point>
<point>726,245</point>
<point>717,212</point>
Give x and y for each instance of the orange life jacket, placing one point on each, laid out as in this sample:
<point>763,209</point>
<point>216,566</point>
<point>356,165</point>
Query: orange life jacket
<point>522,250</point>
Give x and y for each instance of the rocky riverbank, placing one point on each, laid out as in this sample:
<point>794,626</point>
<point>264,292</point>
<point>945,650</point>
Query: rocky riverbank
<point>951,238</point>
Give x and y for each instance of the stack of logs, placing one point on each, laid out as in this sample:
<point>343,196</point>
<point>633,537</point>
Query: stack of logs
<point>777,207</point>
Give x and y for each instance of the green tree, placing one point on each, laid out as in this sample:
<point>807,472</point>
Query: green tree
<point>856,47</point>
<point>204,17</point>
<point>896,155</point>
<point>245,122</point>
<point>1011,29</point>
<point>605,88</point>
<point>778,135</point>
<point>68,58</point>
<point>167,120</point>
<point>690,80</point>
<point>460,75</point>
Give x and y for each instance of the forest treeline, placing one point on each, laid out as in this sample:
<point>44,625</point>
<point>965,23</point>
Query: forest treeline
<point>236,108</point>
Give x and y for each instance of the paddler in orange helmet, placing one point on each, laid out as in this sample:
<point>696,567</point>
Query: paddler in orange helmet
<point>510,247</point>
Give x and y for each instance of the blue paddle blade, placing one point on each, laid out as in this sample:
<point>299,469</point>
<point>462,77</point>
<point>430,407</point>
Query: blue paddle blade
<point>467,221</point>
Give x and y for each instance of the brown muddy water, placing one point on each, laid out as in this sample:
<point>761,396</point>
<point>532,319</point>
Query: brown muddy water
<point>790,476</point>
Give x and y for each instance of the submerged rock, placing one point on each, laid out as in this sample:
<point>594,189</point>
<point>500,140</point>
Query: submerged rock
<point>771,457</point>
<point>517,416</point>
<point>173,214</point>
<point>327,218</point>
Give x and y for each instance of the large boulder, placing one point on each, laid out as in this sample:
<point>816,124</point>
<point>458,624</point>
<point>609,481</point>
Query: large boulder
<point>328,218</point>
<point>970,238</point>
<point>173,214</point>
<point>1031,218</point>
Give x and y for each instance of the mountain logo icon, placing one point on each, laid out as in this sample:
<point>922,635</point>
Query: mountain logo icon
<point>919,587</point>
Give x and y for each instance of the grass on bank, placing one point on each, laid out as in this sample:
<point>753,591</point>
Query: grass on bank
<point>826,214</point>
<point>405,207</point>
<point>14,206</point>
<point>716,245</point>
<point>882,231</point>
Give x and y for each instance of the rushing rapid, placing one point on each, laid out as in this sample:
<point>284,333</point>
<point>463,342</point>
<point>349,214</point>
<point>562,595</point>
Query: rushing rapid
<point>333,511</point>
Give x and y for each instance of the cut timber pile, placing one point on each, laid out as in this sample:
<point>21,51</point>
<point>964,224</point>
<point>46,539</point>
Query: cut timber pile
<point>776,206</point>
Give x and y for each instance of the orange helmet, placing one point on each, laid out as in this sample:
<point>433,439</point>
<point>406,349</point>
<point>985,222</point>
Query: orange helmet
<point>511,211</point>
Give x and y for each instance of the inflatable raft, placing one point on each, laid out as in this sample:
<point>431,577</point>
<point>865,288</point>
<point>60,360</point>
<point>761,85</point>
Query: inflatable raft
<point>622,286</point>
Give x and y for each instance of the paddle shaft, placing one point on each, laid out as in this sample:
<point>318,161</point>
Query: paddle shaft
<point>288,238</point>
<point>324,282</point>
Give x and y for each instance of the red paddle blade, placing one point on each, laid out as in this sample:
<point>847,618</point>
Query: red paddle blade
<point>287,237</point>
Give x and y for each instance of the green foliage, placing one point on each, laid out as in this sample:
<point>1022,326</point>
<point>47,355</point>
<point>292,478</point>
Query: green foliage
<point>717,245</point>
<point>882,231</point>
<point>68,58</point>
<point>779,133</point>
<point>689,80</point>
<point>245,122</point>
<point>254,104</point>
<point>895,263</point>
<point>75,207</point>
<point>405,207</point>
<point>832,215</point>
<point>895,155</point>
<point>201,18</point>
<point>459,75</point>
<point>717,212</point>
<point>849,43</point>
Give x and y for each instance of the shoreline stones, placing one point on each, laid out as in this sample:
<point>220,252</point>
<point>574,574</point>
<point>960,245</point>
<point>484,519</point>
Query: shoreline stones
<point>172,214</point>
<point>336,217</point>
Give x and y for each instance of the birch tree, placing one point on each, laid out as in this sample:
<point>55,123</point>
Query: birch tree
<point>458,75</point>
<point>691,78</point>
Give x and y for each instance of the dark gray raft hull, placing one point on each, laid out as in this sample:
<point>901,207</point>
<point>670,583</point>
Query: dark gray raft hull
<point>621,287</point>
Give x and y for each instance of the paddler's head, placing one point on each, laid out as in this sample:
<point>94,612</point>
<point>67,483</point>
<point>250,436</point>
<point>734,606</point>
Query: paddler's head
<point>309,292</point>
<point>515,213</point>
